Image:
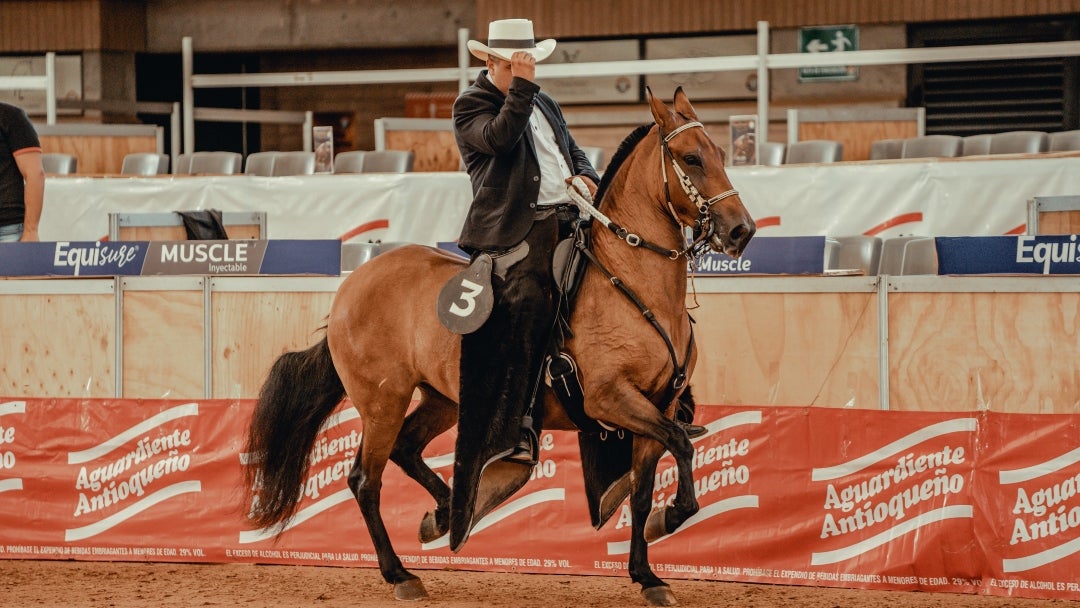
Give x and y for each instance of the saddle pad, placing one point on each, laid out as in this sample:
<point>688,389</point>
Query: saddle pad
<point>466,300</point>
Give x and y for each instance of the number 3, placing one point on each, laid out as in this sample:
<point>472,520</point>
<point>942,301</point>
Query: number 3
<point>469,292</point>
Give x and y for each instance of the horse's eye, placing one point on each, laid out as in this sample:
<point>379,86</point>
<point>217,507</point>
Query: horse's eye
<point>692,160</point>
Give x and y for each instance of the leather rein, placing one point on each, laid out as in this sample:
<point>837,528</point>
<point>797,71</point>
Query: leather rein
<point>579,194</point>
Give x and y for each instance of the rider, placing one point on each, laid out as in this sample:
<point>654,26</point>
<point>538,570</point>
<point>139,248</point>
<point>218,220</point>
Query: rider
<point>519,155</point>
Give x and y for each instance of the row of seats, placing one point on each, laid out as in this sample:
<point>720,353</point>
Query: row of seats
<point>809,151</point>
<point>135,163</point>
<point>944,146</point>
<point>927,146</point>
<point>228,163</point>
<point>269,164</point>
<point>901,255</point>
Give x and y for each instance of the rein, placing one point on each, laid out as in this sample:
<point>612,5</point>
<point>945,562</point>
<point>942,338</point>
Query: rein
<point>580,196</point>
<point>678,376</point>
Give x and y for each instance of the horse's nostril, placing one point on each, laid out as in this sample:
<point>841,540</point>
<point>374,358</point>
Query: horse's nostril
<point>739,232</point>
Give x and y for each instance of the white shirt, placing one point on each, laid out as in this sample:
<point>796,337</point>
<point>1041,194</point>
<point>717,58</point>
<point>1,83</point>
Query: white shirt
<point>553,168</point>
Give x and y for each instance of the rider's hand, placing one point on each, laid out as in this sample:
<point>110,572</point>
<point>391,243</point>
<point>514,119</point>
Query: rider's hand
<point>588,184</point>
<point>523,65</point>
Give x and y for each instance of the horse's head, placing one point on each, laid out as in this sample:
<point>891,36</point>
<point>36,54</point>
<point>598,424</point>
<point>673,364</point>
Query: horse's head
<point>705,197</point>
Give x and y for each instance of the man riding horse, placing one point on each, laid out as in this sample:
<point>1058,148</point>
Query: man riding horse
<point>520,156</point>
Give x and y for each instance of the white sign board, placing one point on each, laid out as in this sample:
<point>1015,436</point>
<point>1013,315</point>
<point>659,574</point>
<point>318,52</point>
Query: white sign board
<point>740,84</point>
<point>594,89</point>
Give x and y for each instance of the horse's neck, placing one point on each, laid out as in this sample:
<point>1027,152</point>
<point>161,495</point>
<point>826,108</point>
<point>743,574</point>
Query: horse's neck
<point>658,280</point>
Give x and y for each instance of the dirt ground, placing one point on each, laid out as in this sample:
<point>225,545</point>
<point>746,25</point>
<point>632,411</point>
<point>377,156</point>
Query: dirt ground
<point>125,584</point>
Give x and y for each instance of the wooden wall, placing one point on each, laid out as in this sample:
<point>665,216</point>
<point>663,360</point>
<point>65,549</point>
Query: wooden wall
<point>966,344</point>
<point>559,19</point>
<point>792,348</point>
<point>40,26</point>
<point>98,154</point>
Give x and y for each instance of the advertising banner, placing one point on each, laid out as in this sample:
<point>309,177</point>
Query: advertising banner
<point>980,503</point>
<point>134,258</point>
<point>1025,254</point>
<point>769,255</point>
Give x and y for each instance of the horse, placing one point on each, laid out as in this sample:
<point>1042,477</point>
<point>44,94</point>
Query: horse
<point>383,345</point>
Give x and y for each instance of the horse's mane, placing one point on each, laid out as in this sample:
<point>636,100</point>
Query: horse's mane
<point>621,153</point>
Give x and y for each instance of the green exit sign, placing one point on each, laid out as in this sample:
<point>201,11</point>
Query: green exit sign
<point>829,39</point>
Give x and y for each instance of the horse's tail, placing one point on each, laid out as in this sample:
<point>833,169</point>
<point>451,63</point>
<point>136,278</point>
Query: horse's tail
<point>300,393</point>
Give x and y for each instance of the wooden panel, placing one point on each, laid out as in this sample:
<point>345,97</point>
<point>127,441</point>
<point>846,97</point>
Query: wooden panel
<point>72,25</point>
<point>177,233</point>
<point>57,345</point>
<point>858,135</point>
<point>634,17</point>
<point>160,361</point>
<point>97,154</point>
<point>1059,222</point>
<point>434,150</point>
<point>816,349</point>
<point>50,25</point>
<point>250,330</point>
<point>1006,352</point>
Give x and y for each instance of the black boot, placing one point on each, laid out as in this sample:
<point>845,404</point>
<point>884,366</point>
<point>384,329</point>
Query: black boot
<point>528,446</point>
<point>693,430</point>
<point>684,415</point>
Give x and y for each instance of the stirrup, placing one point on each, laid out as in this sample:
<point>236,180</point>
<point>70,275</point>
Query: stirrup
<point>526,450</point>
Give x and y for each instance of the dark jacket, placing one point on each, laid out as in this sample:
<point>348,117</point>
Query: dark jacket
<point>496,146</point>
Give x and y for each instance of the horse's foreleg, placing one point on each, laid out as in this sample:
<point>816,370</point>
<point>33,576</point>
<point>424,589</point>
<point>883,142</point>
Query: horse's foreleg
<point>434,416</point>
<point>365,481</point>
<point>655,591</point>
<point>670,436</point>
<point>668,518</point>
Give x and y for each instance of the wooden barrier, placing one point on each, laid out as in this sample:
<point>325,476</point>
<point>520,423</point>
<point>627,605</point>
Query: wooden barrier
<point>913,343</point>
<point>100,148</point>
<point>1054,215</point>
<point>168,226</point>
<point>857,129</point>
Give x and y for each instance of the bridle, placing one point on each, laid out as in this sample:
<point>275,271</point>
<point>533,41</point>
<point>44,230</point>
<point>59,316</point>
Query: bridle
<point>703,229</point>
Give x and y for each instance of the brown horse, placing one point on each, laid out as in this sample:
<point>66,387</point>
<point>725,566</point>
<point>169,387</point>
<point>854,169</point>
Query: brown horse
<point>383,342</point>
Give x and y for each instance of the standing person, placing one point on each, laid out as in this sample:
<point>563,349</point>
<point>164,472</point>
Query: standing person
<point>519,154</point>
<point>22,178</point>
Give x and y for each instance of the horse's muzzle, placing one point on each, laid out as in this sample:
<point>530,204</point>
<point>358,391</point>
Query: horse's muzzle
<point>733,240</point>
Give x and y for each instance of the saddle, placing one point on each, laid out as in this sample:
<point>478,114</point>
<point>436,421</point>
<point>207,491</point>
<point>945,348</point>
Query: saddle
<point>465,303</point>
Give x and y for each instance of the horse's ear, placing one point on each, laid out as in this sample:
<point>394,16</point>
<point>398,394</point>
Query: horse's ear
<point>682,105</point>
<point>661,114</point>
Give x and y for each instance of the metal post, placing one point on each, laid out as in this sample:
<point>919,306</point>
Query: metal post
<point>188,96</point>
<point>463,58</point>
<point>763,82</point>
<point>50,88</point>
<point>174,133</point>
<point>309,122</point>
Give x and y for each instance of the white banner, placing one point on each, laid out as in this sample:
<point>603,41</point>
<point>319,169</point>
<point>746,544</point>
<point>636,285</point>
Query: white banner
<point>931,198</point>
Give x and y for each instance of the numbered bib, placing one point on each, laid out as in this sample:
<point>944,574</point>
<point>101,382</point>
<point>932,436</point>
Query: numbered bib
<point>466,300</point>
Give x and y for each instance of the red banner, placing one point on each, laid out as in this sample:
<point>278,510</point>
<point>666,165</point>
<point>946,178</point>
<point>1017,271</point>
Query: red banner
<point>973,503</point>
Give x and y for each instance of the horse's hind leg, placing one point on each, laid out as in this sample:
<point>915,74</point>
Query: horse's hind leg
<point>434,416</point>
<point>365,481</point>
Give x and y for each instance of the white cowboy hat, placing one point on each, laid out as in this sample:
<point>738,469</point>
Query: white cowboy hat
<point>506,36</point>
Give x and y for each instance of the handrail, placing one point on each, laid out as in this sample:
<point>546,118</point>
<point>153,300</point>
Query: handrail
<point>763,61</point>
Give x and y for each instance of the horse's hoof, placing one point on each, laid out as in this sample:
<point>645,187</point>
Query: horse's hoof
<point>412,590</point>
<point>659,596</point>
<point>656,525</point>
<point>429,528</point>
